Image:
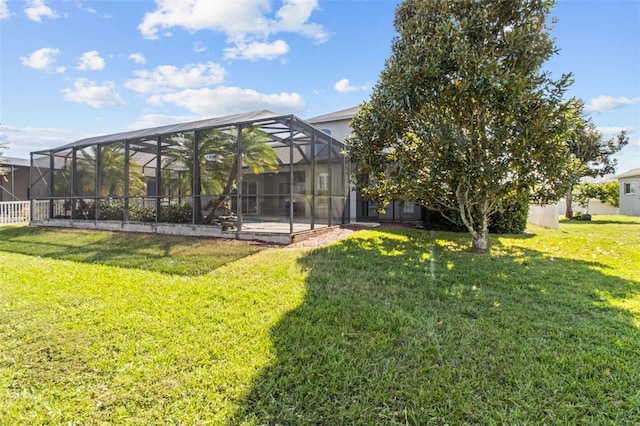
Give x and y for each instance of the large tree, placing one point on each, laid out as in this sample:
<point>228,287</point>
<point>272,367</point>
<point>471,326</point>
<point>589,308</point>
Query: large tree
<point>591,154</point>
<point>463,117</point>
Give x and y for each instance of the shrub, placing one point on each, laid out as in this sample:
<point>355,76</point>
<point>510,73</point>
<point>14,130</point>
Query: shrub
<point>85,210</point>
<point>114,210</point>
<point>435,220</point>
<point>512,219</point>
<point>111,210</point>
<point>142,214</point>
<point>176,213</point>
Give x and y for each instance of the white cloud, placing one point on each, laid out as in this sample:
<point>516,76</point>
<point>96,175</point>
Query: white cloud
<point>246,23</point>
<point>230,100</point>
<point>256,50</point>
<point>38,9</point>
<point>90,61</point>
<point>84,8</point>
<point>42,59</point>
<point>344,86</point>
<point>155,120</point>
<point>23,140</point>
<point>29,129</point>
<point>91,10</point>
<point>5,13</point>
<point>293,16</point>
<point>609,103</point>
<point>138,58</point>
<point>167,77</point>
<point>610,131</point>
<point>199,47</point>
<point>232,18</point>
<point>88,92</point>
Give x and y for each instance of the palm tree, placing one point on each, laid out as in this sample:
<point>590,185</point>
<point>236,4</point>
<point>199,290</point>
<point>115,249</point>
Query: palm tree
<point>257,156</point>
<point>216,167</point>
<point>111,173</point>
<point>206,173</point>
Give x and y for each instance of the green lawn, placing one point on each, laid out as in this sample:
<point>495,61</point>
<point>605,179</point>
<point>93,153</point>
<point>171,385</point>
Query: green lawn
<point>385,327</point>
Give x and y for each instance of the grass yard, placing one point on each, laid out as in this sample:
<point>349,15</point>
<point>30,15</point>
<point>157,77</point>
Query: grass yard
<point>389,326</point>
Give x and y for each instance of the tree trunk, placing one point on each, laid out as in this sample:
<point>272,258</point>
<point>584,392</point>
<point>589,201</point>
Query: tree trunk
<point>479,230</point>
<point>480,241</point>
<point>569,201</point>
<point>215,205</point>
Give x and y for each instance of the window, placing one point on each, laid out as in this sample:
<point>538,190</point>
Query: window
<point>408,207</point>
<point>628,189</point>
<point>323,181</point>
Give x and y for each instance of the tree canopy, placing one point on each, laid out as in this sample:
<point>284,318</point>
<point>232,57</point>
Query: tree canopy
<point>591,155</point>
<point>463,116</point>
<point>604,192</point>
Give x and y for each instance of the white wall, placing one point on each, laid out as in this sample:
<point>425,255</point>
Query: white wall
<point>595,207</point>
<point>630,203</point>
<point>339,129</point>
<point>545,216</point>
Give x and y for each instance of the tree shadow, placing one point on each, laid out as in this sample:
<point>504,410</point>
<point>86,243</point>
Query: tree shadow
<point>596,221</point>
<point>176,255</point>
<point>400,327</point>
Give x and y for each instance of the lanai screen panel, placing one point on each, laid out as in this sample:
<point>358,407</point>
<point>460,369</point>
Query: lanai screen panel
<point>41,186</point>
<point>85,181</point>
<point>265,191</point>
<point>215,175</point>
<point>40,175</point>
<point>62,184</point>
<point>142,155</point>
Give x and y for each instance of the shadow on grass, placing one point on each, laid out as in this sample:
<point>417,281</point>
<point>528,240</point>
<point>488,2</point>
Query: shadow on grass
<point>401,328</point>
<point>168,254</point>
<point>596,221</point>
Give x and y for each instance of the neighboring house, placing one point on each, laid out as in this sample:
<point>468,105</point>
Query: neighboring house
<point>629,192</point>
<point>338,125</point>
<point>14,182</point>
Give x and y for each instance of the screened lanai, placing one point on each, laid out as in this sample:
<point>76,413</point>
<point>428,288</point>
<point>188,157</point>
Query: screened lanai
<point>249,176</point>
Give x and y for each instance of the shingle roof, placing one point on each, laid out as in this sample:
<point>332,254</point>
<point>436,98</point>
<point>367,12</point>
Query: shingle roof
<point>345,114</point>
<point>14,161</point>
<point>628,174</point>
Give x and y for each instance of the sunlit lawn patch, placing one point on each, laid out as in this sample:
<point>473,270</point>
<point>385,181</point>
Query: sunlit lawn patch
<point>386,327</point>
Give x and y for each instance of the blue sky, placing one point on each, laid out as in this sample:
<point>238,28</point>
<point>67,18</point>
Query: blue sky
<point>72,69</point>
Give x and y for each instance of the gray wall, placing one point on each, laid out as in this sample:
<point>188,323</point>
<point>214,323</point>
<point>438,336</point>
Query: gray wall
<point>14,185</point>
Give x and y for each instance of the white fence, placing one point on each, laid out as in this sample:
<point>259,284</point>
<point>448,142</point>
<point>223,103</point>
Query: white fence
<point>545,216</point>
<point>41,209</point>
<point>14,212</point>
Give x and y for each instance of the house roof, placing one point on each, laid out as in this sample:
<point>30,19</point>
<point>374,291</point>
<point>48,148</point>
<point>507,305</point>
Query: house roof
<point>15,161</point>
<point>628,174</point>
<point>345,114</point>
